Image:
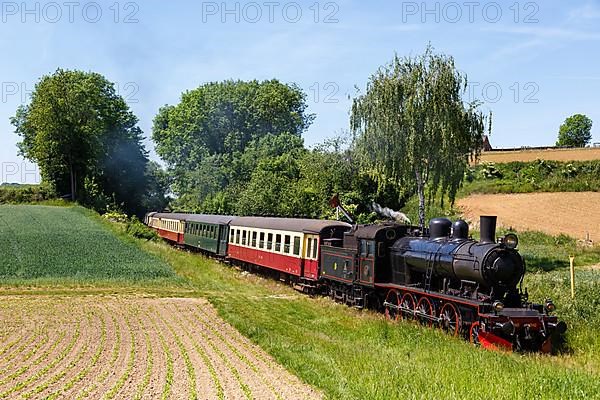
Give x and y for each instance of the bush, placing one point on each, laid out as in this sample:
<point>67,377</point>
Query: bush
<point>138,230</point>
<point>22,194</point>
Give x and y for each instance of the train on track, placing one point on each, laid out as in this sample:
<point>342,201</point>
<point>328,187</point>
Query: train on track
<point>438,276</point>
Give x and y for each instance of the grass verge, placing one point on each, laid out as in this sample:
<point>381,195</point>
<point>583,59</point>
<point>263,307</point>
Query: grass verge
<point>355,355</point>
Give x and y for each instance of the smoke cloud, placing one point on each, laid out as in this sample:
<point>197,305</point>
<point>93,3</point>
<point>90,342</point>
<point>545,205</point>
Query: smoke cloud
<point>391,214</point>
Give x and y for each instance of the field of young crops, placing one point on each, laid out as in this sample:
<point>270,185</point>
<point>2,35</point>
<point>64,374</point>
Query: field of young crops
<point>98,347</point>
<point>65,243</point>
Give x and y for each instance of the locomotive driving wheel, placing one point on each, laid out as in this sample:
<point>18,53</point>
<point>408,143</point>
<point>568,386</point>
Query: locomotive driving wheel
<point>392,305</point>
<point>407,306</point>
<point>425,311</point>
<point>474,333</point>
<point>450,319</point>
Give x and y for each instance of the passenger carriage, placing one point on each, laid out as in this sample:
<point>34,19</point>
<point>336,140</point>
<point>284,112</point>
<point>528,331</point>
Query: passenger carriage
<point>287,245</point>
<point>169,226</point>
<point>207,232</point>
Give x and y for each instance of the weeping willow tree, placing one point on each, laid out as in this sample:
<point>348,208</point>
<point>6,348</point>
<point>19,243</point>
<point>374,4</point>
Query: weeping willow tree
<point>413,128</point>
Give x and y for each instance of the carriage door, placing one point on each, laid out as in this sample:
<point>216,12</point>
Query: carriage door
<point>310,256</point>
<point>223,238</point>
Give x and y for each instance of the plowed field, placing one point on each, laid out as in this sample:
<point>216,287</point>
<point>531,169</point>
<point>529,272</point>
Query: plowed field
<point>100,347</point>
<point>574,214</point>
<point>532,155</point>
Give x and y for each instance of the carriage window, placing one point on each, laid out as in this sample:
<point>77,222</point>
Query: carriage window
<point>296,245</point>
<point>269,241</point>
<point>262,240</point>
<point>231,236</point>
<point>370,248</point>
<point>237,236</point>
<point>243,237</point>
<point>277,242</point>
<point>254,239</point>
<point>315,248</point>
<point>308,248</point>
<point>286,245</point>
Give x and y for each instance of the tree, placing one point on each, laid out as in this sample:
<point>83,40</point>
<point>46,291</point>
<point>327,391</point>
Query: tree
<point>575,131</point>
<point>211,128</point>
<point>84,138</point>
<point>413,129</point>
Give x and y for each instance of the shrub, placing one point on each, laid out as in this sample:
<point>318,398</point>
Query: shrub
<point>138,230</point>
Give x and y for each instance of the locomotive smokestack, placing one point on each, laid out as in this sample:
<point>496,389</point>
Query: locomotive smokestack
<point>487,226</point>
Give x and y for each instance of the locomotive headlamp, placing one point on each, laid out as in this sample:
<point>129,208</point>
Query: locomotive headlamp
<point>511,241</point>
<point>550,307</point>
<point>498,306</point>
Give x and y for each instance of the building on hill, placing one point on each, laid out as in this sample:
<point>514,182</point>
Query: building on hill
<point>486,144</point>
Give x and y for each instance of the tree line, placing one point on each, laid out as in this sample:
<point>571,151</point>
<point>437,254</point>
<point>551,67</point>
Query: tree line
<point>236,147</point>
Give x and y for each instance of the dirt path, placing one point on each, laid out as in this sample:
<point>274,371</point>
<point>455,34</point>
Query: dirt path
<point>100,347</point>
<point>574,214</point>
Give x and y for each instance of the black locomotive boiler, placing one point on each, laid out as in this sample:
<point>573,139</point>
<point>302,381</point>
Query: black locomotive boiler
<point>444,278</point>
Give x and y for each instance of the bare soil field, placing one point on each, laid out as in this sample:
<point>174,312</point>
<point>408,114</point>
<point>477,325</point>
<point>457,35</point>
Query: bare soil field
<point>574,214</point>
<point>587,154</point>
<point>102,347</point>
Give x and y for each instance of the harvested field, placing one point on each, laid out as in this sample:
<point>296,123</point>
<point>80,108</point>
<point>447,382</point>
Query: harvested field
<point>587,154</point>
<point>573,214</point>
<point>131,347</point>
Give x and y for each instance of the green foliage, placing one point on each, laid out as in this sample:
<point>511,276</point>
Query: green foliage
<point>413,128</point>
<point>576,131</point>
<point>534,176</point>
<point>85,140</point>
<point>19,194</point>
<point>216,135</point>
<point>56,244</point>
<point>138,230</point>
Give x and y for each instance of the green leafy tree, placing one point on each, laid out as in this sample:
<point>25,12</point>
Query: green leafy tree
<point>576,131</point>
<point>84,138</point>
<point>218,121</point>
<point>413,128</point>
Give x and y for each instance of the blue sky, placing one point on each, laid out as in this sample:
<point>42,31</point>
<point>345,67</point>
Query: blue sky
<point>532,63</point>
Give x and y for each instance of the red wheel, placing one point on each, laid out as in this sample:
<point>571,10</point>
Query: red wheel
<point>450,319</point>
<point>407,306</point>
<point>425,311</point>
<point>392,305</point>
<point>474,332</point>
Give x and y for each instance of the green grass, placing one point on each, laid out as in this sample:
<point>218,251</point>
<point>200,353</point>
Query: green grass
<point>43,245</point>
<point>358,355</point>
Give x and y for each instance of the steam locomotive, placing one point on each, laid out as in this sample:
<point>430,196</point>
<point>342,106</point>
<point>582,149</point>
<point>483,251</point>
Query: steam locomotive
<point>443,278</point>
<point>438,276</point>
